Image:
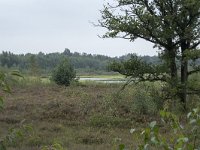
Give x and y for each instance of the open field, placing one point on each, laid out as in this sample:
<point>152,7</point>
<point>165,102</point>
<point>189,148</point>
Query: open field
<point>86,115</point>
<point>91,78</point>
<point>72,116</point>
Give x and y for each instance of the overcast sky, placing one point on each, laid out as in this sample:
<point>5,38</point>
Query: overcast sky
<point>31,26</point>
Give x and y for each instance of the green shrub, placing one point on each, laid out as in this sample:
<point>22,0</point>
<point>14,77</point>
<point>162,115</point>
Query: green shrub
<point>143,103</point>
<point>134,100</point>
<point>147,99</point>
<point>15,137</point>
<point>182,136</point>
<point>64,73</point>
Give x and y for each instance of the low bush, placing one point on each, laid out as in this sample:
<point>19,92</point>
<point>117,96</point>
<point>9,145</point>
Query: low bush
<point>64,73</point>
<point>143,99</point>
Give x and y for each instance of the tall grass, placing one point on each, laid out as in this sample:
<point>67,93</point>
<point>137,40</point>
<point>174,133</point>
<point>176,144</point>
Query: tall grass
<point>31,81</point>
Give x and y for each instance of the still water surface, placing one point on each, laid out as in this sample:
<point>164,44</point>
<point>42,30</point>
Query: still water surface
<point>103,80</point>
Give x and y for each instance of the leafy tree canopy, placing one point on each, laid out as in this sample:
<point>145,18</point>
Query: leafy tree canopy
<point>171,25</point>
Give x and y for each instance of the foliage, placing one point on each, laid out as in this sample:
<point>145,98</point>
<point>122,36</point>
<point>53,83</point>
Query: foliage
<point>44,63</point>
<point>143,103</point>
<point>4,86</point>
<point>64,73</point>
<point>182,137</point>
<point>139,70</point>
<point>15,136</point>
<point>172,26</point>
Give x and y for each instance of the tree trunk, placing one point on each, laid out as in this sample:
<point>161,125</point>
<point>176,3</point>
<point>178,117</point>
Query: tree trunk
<point>173,73</point>
<point>172,62</point>
<point>184,74</point>
<point>173,67</point>
<point>184,78</point>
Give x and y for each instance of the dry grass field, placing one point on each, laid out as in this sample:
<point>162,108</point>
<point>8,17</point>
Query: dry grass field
<point>72,116</point>
<point>83,116</point>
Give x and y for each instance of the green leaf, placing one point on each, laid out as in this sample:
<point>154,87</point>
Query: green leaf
<point>1,103</point>
<point>195,110</point>
<point>162,113</point>
<point>146,146</point>
<point>189,114</point>
<point>190,147</point>
<point>154,140</point>
<point>147,131</point>
<point>193,121</point>
<point>121,147</point>
<point>181,126</point>
<point>57,146</point>
<point>185,140</point>
<point>152,124</point>
<point>156,130</point>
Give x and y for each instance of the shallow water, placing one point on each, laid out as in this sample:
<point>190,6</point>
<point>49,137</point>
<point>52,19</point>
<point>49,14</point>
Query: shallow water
<point>103,80</point>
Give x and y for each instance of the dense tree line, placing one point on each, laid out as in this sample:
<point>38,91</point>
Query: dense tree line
<point>45,63</point>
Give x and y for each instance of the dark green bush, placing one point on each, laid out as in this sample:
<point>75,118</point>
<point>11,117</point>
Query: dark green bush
<point>64,73</point>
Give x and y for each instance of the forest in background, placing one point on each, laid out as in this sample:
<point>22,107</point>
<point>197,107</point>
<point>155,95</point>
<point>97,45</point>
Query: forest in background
<point>43,64</point>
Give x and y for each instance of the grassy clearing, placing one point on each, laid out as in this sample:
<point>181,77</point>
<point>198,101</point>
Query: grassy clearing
<point>84,116</point>
<point>33,80</point>
<point>73,116</point>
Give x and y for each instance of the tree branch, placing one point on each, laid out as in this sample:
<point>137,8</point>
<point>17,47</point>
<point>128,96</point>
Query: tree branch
<point>194,71</point>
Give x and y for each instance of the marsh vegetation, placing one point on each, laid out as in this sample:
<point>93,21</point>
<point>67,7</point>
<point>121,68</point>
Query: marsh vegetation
<point>84,115</point>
